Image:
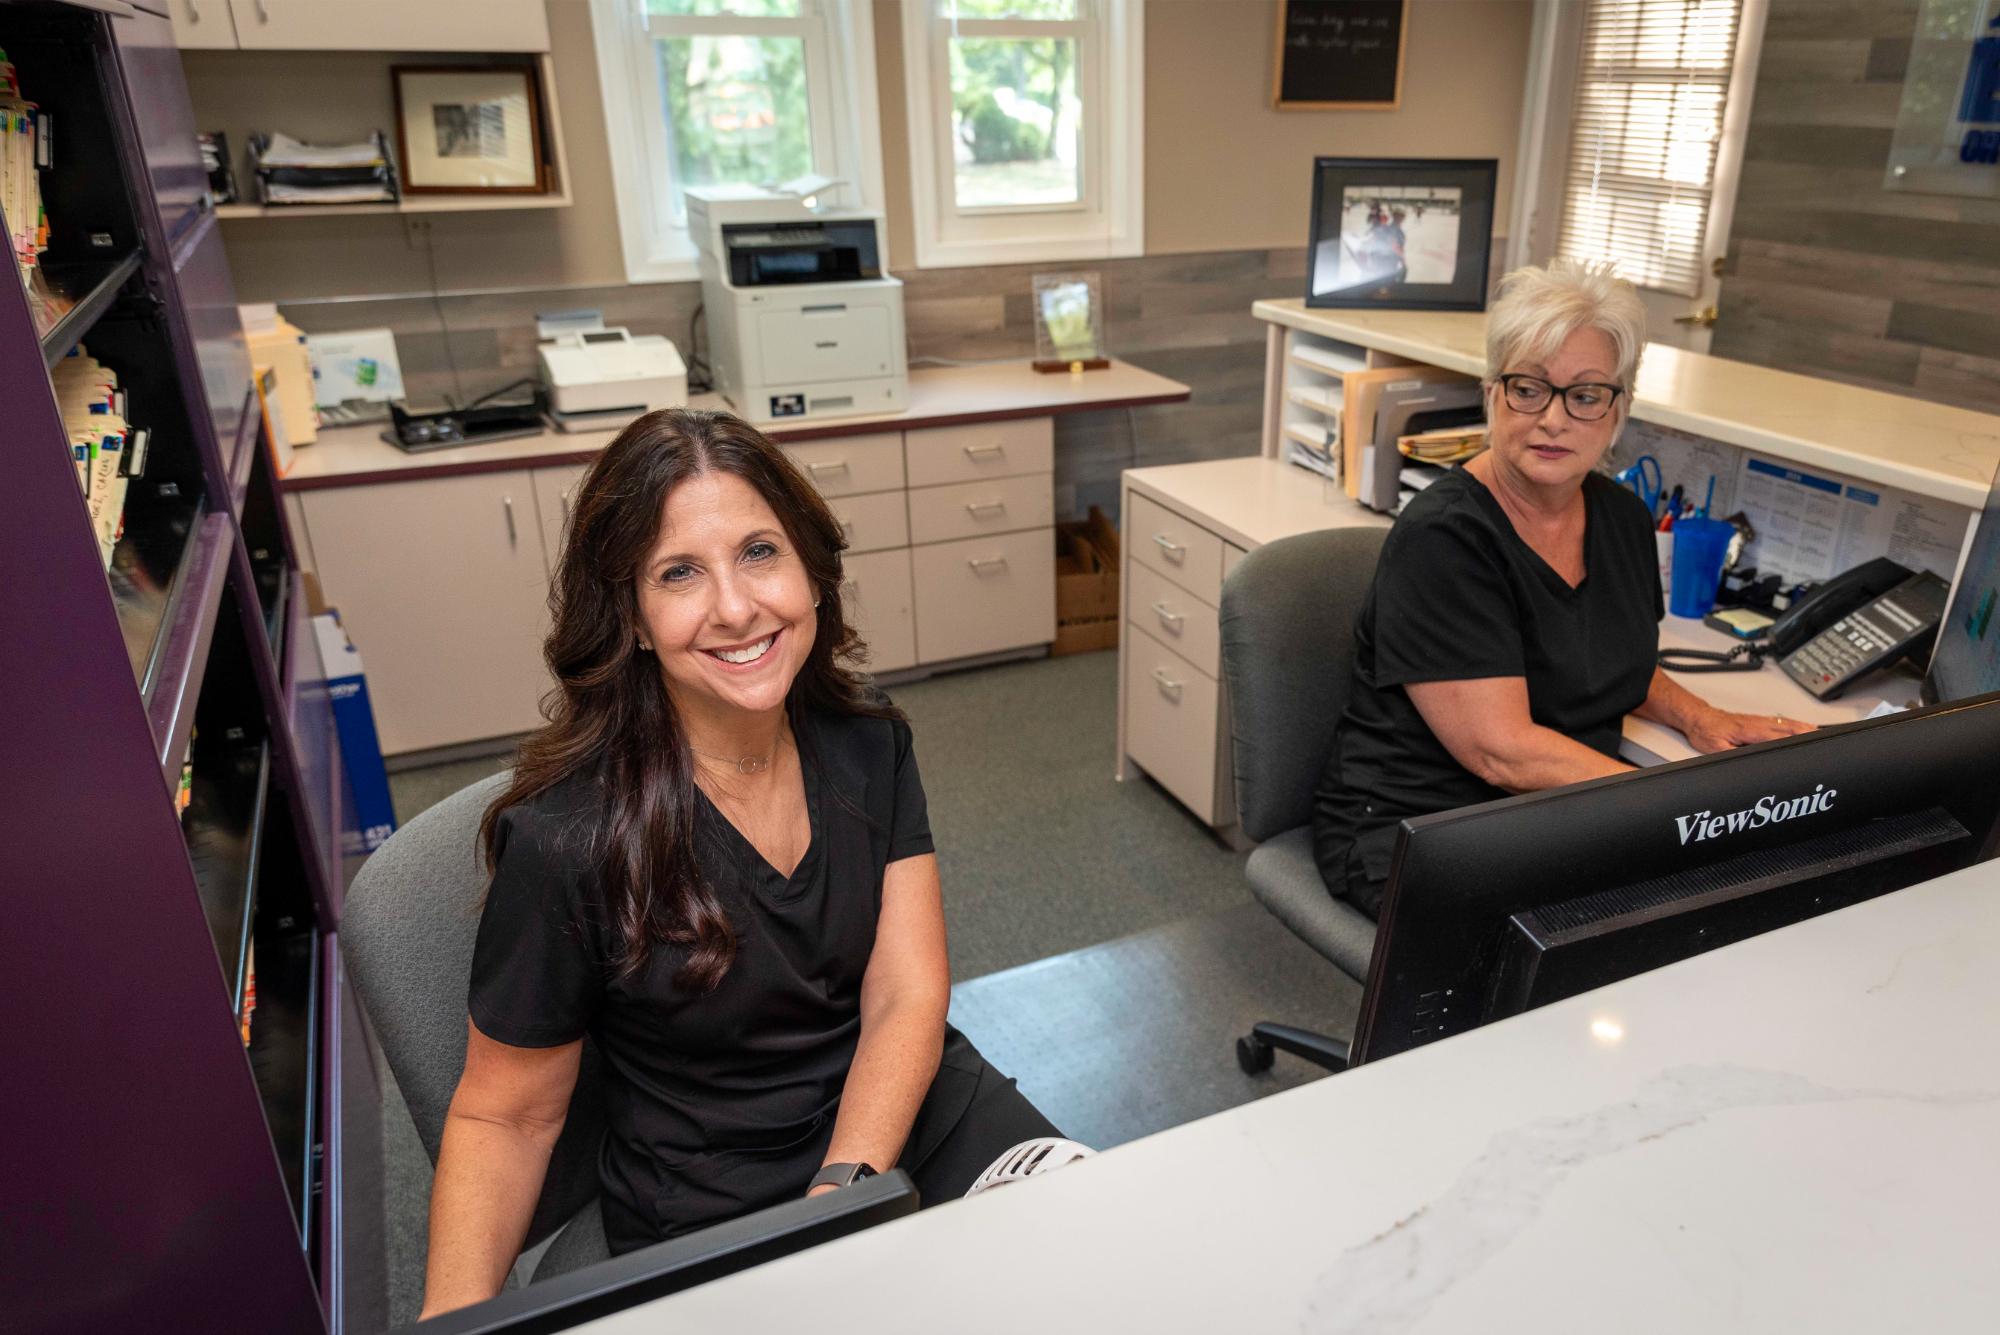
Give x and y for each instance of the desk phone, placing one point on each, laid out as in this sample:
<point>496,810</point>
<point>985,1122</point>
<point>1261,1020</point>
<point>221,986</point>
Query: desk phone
<point>1901,621</point>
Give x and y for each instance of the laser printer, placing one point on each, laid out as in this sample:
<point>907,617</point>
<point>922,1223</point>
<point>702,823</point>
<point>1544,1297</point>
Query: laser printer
<point>803,322</point>
<point>606,371</point>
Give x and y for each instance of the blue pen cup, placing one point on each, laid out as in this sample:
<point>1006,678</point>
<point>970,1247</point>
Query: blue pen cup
<point>1699,548</point>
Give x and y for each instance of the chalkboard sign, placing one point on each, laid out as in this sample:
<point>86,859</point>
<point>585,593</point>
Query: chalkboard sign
<point>1339,53</point>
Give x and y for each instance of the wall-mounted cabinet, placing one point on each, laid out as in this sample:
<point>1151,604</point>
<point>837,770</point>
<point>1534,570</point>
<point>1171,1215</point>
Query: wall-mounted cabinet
<point>361,25</point>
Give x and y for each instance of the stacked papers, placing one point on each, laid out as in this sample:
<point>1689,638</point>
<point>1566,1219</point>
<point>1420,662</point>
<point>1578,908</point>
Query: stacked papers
<point>23,152</point>
<point>107,453</point>
<point>1446,445</point>
<point>290,172</point>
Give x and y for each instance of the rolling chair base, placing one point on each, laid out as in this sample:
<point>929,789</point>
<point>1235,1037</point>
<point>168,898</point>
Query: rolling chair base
<point>1256,1050</point>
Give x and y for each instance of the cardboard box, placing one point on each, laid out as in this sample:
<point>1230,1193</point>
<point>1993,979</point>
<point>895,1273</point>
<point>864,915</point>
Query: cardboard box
<point>354,721</point>
<point>1086,585</point>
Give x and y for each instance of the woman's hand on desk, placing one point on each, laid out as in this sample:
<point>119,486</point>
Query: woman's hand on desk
<point>1719,730</point>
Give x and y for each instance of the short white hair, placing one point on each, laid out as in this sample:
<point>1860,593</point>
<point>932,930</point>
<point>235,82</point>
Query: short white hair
<point>1539,308</point>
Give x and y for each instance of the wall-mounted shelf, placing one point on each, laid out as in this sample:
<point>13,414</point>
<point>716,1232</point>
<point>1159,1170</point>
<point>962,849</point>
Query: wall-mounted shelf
<point>419,204</point>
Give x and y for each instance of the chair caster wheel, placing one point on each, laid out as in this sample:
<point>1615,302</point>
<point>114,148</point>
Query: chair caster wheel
<point>1253,1054</point>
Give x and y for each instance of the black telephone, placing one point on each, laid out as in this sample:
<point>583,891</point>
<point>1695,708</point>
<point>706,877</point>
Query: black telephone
<point>1842,630</point>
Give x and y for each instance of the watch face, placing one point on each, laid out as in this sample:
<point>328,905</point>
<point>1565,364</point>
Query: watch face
<point>862,1170</point>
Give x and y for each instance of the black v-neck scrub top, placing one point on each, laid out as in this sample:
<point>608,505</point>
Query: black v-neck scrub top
<point>709,1098</point>
<point>1458,595</point>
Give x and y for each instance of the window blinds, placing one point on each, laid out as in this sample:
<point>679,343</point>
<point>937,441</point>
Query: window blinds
<point>1652,79</point>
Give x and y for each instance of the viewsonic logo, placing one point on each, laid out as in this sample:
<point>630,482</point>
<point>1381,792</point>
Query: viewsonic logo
<point>1769,810</point>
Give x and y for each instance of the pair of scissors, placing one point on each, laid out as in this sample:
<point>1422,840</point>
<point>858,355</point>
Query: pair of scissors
<point>1645,480</point>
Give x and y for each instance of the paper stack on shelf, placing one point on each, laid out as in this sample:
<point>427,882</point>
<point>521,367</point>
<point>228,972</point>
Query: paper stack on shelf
<point>290,172</point>
<point>1445,446</point>
<point>24,152</point>
<point>107,452</point>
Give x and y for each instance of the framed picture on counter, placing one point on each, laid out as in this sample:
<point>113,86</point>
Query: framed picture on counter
<point>469,129</point>
<point>1401,233</point>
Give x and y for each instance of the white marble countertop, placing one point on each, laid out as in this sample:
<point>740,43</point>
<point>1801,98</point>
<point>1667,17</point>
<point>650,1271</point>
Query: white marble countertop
<point>1794,1133</point>
<point>1929,448</point>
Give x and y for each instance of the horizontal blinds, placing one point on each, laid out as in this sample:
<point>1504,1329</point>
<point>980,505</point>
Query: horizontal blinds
<point>1652,80</point>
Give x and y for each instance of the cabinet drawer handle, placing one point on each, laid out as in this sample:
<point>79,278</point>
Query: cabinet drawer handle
<point>507,503</point>
<point>846,525</point>
<point>850,588</point>
<point>565,502</point>
<point>1168,686</point>
<point>827,466</point>
<point>1169,618</point>
<point>980,563</point>
<point>263,14</point>
<point>1175,551</point>
<point>978,508</point>
<point>974,451</point>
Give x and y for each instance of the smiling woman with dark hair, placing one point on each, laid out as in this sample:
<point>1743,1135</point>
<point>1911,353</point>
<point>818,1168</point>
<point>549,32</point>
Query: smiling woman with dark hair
<point>715,860</point>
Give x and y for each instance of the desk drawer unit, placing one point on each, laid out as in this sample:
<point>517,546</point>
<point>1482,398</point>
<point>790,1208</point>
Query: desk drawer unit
<point>984,450</point>
<point>876,522</point>
<point>984,595</point>
<point>1184,552</point>
<point>1172,711</point>
<point>969,509</point>
<point>850,465</point>
<point>875,595</point>
<point>1175,618</point>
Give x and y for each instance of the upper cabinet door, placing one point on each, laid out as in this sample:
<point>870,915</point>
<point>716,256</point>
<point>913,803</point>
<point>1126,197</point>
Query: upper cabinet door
<point>202,25</point>
<point>389,25</point>
<point>164,117</point>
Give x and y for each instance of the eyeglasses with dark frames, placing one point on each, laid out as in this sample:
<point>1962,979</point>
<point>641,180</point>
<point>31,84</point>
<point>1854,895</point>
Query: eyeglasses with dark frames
<point>1583,402</point>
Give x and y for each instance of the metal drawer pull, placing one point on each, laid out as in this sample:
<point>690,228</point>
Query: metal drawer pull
<point>847,526</point>
<point>978,508</point>
<point>1169,618</point>
<point>827,466</point>
<point>507,502</point>
<point>1168,686</point>
<point>974,451</point>
<point>1176,551</point>
<point>980,563</point>
<point>263,14</point>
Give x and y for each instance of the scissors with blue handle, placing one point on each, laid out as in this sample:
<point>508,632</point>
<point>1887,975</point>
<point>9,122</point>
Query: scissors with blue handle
<point>1645,480</point>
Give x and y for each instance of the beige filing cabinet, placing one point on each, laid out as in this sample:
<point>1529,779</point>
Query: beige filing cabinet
<point>1185,528</point>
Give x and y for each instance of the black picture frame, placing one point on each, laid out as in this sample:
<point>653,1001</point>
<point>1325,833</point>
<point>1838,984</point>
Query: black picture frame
<point>1376,274</point>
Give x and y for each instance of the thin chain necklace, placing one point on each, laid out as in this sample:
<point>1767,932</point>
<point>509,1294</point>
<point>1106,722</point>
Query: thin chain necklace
<point>744,764</point>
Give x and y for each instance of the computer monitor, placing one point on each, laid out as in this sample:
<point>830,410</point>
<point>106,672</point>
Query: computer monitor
<point>1966,661</point>
<point>681,1263</point>
<point>1498,908</point>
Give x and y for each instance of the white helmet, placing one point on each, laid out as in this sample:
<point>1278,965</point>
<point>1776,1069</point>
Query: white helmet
<point>1030,1158</point>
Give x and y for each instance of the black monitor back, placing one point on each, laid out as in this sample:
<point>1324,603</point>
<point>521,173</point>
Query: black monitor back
<point>1497,908</point>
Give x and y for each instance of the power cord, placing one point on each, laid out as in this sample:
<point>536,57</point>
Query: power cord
<point>1751,655</point>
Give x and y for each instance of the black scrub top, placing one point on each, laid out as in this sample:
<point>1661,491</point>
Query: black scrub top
<point>1458,595</point>
<point>715,1102</point>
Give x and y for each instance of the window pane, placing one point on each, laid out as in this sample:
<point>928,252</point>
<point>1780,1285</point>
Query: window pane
<point>1006,9</point>
<point>1014,118</point>
<point>755,9</point>
<point>736,110</point>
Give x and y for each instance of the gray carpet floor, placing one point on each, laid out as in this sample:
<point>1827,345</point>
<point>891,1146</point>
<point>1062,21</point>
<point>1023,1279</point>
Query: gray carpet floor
<point>1104,949</point>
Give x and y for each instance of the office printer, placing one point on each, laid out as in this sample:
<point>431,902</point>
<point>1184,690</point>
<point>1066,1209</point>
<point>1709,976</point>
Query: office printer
<point>802,321</point>
<point>600,371</point>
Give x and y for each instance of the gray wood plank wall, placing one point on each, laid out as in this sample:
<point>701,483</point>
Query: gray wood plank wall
<point>1828,273</point>
<point>1184,316</point>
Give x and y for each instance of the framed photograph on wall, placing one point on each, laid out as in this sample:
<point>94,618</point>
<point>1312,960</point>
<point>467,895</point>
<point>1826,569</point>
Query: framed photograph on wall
<point>1339,55</point>
<point>469,129</point>
<point>1401,233</point>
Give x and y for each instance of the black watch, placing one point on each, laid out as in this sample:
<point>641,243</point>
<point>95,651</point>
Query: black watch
<point>840,1175</point>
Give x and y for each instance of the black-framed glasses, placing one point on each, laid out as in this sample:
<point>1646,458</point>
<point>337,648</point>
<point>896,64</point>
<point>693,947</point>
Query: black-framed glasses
<point>1583,402</point>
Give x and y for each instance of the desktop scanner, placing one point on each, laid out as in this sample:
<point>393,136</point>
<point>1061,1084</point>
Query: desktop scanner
<point>1483,918</point>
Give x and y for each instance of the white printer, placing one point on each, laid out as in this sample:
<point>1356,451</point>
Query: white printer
<point>603,371</point>
<point>802,321</point>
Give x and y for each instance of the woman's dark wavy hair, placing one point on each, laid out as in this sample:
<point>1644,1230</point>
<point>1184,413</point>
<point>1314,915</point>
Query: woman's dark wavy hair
<point>610,720</point>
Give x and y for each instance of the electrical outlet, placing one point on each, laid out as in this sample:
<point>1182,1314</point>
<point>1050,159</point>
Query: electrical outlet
<point>416,231</point>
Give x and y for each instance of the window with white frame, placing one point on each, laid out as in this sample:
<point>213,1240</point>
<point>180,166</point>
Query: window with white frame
<point>1025,129</point>
<point>1651,88</point>
<point>714,92</point>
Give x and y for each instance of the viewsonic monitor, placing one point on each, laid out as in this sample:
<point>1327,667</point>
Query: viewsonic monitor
<point>1495,909</point>
<point>680,1263</point>
<point>1966,661</point>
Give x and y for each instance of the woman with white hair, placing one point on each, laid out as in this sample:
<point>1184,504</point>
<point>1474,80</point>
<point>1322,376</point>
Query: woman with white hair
<point>1514,618</point>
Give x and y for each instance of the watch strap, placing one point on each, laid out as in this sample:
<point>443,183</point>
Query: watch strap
<point>840,1175</point>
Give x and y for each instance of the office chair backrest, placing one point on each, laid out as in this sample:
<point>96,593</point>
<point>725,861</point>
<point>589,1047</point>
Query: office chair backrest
<point>1288,613</point>
<point>407,934</point>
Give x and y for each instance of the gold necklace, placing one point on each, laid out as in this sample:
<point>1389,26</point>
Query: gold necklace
<point>744,764</point>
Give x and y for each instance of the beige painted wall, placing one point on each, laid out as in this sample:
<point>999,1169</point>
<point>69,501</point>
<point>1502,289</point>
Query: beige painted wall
<point>1224,170</point>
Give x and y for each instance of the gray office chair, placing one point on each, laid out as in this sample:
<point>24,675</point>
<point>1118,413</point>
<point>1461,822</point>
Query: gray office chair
<point>1288,612</point>
<point>407,934</point>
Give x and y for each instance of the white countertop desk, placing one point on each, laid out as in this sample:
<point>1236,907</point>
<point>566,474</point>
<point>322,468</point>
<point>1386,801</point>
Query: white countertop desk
<point>1252,501</point>
<point>1793,1133</point>
<point>1931,449</point>
<point>940,396</point>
